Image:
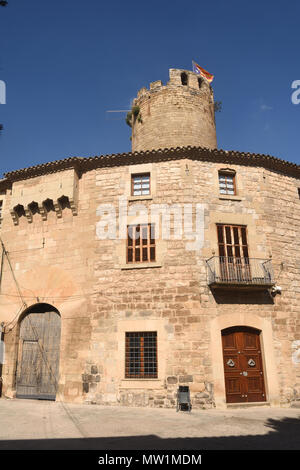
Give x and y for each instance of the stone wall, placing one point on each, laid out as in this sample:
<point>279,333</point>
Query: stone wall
<point>52,262</point>
<point>62,262</point>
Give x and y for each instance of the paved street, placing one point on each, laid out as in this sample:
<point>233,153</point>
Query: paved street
<point>30,424</point>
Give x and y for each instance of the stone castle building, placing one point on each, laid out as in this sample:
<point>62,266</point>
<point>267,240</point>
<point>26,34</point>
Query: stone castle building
<point>99,303</point>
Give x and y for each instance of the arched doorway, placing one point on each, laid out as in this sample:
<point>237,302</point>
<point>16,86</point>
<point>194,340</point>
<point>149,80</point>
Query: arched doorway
<point>38,354</point>
<point>243,366</point>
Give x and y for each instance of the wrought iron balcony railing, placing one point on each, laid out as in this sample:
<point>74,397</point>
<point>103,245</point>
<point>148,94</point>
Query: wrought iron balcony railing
<point>231,271</point>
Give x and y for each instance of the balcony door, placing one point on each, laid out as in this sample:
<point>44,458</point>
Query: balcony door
<point>233,253</point>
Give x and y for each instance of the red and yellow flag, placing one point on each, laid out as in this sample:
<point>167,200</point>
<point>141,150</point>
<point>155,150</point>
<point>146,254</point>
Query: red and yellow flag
<point>200,71</point>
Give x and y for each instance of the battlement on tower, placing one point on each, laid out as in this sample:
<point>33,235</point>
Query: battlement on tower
<point>178,77</point>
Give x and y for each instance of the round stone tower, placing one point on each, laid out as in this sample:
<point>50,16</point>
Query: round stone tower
<point>176,115</point>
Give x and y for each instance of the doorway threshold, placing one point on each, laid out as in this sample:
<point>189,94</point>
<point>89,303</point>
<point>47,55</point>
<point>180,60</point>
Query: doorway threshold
<point>249,404</point>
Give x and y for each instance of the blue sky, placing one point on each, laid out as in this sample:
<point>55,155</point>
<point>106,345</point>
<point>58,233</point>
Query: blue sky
<point>65,63</point>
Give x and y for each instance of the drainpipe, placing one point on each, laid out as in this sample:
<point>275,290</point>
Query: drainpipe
<point>2,324</point>
<point>2,262</point>
<point>2,353</point>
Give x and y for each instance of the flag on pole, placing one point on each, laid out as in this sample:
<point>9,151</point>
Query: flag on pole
<point>200,71</point>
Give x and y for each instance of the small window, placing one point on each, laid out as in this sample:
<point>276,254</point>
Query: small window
<point>184,79</point>
<point>1,206</point>
<point>141,355</point>
<point>227,183</point>
<point>140,243</point>
<point>140,184</point>
<point>299,193</point>
<point>200,81</point>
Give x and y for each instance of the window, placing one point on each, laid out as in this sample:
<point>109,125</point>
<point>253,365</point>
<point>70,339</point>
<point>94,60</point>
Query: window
<point>1,203</point>
<point>141,355</point>
<point>232,240</point>
<point>140,184</point>
<point>227,183</point>
<point>140,243</point>
<point>184,78</point>
<point>233,253</point>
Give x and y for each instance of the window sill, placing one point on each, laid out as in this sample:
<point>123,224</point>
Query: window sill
<point>230,197</point>
<point>142,380</point>
<point>140,198</point>
<point>141,383</point>
<point>140,265</point>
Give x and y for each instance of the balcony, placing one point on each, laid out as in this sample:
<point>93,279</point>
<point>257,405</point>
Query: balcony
<point>228,272</point>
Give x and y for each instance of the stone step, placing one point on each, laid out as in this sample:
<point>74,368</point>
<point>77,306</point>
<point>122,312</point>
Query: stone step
<point>248,405</point>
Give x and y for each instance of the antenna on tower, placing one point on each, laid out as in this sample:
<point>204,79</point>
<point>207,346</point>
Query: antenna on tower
<point>120,110</point>
<point>117,111</point>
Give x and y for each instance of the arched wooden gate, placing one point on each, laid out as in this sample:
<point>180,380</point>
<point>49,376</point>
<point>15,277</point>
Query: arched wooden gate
<point>38,355</point>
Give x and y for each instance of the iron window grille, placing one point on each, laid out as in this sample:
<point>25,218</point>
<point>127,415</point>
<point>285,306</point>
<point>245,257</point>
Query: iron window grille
<point>141,355</point>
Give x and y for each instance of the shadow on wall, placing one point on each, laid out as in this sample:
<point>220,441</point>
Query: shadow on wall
<point>223,296</point>
<point>284,435</point>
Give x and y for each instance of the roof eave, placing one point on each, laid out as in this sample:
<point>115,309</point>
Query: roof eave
<point>82,164</point>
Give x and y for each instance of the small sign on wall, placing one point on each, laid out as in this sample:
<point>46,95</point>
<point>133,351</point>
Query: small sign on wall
<point>296,352</point>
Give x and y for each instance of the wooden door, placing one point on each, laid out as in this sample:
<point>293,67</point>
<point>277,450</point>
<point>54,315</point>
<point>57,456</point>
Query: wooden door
<point>244,377</point>
<point>37,369</point>
<point>30,369</point>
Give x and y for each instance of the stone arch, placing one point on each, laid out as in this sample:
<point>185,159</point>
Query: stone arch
<point>36,308</point>
<point>33,207</point>
<point>19,210</point>
<point>64,202</point>
<point>250,320</point>
<point>48,205</point>
<point>38,352</point>
<point>60,289</point>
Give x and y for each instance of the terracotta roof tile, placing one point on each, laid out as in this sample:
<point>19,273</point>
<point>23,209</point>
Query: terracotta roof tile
<point>82,164</point>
